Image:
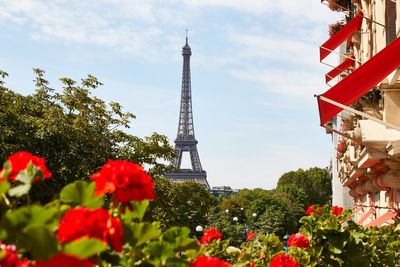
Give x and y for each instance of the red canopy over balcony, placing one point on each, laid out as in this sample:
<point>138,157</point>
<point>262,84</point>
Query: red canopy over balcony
<point>360,81</point>
<point>339,37</point>
<point>347,63</point>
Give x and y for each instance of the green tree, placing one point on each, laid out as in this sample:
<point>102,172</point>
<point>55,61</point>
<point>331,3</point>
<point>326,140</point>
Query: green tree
<point>75,131</point>
<point>259,210</point>
<point>180,204</point>
<point>312,186</point>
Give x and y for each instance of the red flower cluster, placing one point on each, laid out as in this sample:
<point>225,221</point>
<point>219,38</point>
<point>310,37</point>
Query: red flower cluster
<point>337,210</point>
<point>63,260</point>
<point>97,223</point>
<point>209,261</point>
<point>310,210</point>
<point>283,260</point>
<point>20,161</point>
<point>127,180</point>
<point>210,235</point>
<point>298,240</point>
<point>10,257</point>
<point>250,236</point>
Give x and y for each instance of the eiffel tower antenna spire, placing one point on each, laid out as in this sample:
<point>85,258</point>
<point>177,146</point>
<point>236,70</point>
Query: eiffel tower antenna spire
<point>185,139</point>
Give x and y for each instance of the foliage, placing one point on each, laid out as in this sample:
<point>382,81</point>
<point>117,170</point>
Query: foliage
<point>77,228</point>
<point>77,225</point>
<point>75,131</point>
<point>369,100</point>
<point>262,211</point>
<point>315,182</point>
<point>180,204</point>
<point>335,240</point>
<point>335,27</point>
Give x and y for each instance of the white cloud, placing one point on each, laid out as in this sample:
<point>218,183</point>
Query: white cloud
<point>129,26</point>
<point>292,11</point>
<point>268,47</point>
<point>282,81</point>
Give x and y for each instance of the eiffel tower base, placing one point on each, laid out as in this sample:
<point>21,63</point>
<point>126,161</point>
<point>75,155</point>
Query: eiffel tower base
<point>187,175</point>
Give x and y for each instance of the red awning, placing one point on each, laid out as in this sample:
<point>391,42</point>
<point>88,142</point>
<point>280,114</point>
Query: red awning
<point>360,81</point>
<point>347,63</point>
<point>382,219</point>
<point>366,215</point>
<point>339,37</point>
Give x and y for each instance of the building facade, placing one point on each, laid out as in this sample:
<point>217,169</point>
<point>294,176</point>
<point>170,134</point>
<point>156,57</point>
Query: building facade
<point>362,109</point>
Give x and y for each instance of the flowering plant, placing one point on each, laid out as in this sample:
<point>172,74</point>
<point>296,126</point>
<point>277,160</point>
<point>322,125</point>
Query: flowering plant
<point>298,240</point>
<point>335,240</point>
<point>250,236</point>
<point>335,27</point>
<point>283,260</point>
<point>77,229</point>
<point>210,235</point>
<point>81,229</point>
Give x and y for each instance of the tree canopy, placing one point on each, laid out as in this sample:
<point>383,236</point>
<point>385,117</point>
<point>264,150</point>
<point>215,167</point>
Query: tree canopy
<point>312,186</point>
<point>259,210</point>
<point>180,204</point>
<point>75,131</point>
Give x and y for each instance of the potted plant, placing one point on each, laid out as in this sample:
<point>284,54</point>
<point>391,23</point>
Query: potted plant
<point>335,27</point>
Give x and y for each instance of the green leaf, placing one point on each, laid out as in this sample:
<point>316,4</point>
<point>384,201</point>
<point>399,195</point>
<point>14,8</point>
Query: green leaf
<point>24,184</point>
<point>139,233</point>
<point>16,221</point>
<point>178,236</point>
<point>80,193</point>
<point>397,228</point>
<point>138,210</point>
<point>40,241</point>
<point>158,253</point>
<point>7,170</point>
<point>4,186</point>
<point>85,247</point>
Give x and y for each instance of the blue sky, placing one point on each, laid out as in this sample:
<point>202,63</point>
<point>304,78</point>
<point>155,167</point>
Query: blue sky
<point>255,68</point>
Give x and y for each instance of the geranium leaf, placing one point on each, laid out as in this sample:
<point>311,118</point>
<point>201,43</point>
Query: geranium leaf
<point>85,247</point>
<point>157,253</point>
<point>40,241</point>
<point>4,186</point>
<point>138,210</point>
<point>80,193</point>
<point>139,233</point>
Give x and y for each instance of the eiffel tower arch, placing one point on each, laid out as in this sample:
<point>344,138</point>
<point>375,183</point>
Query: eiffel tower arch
<point>185,140</point>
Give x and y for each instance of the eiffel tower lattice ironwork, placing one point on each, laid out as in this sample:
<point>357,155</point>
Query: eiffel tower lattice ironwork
<point>185,140</point>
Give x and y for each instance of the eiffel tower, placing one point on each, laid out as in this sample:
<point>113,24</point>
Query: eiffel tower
<point>185,140</point>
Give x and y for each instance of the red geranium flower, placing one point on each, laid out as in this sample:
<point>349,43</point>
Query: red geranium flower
<point>97,223</point>
<point>283,260</point>
<point>250,236</point>
<point>252,264</point>
<point>210,235</point>
<point>10,257</point>
<point>209,261</point>
<point>127,180</point>
<point>19,161</point>
<point>298,240</point>
<point>310,210</point>
<point>63,260</point>
<point>337,210</point>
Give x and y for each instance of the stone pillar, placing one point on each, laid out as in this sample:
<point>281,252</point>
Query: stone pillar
<point>392,106</point>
